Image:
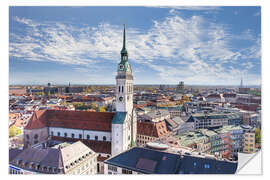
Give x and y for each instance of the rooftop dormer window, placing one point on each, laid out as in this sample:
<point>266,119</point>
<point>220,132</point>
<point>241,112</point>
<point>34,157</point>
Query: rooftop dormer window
<point>55,170</point>
<point>45,168</point>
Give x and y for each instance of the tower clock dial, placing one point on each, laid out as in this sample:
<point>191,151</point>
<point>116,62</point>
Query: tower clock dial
<point>121,99</point>
<point>121,67</point>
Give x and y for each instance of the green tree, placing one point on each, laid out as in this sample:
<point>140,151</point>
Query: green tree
<point>132,143</point>
<point>94,106</point>
<point>14,131</point>
<point>78,105</point>
<point>257,136</point>
<point>102,109</point>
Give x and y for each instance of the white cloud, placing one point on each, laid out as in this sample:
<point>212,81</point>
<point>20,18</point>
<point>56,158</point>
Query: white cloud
<point>194,49</point>
<point>192,8</point>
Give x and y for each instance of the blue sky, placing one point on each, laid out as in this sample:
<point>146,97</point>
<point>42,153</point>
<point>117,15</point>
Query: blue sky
<point>197,45</point>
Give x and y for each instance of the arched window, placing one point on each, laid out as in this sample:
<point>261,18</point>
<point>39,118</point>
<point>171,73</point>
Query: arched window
<point>52,133</point>
<point>65,134</point>
<point>96,138</point>
<point>104,138</point>
<point>80,136</point>
<point>27,136</point>
<point>88,136</point>
<point>119,89</point>
<point>36,136</point>
<point>122,88</point>
<point>72,135</point>
<point>58,134</point>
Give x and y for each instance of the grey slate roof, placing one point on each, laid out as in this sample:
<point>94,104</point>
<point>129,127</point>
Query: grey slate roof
<point>47,157</point>
<point>13,153</point>
<point>147,161</point>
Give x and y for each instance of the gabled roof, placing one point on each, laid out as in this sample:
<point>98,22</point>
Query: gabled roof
<point>154,129</point>
<point>49,157</point>
<point>96,146</point>
<point>147,161</point>
<point>86,120</point>
<point>37,121</point>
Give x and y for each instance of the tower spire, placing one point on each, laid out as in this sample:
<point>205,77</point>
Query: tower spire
<point>124,37</point>
<point>124,50</point>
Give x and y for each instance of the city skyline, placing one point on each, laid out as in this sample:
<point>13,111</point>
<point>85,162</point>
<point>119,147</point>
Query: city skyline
<point>81,45</point>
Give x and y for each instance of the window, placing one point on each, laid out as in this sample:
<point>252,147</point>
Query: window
<point>52,133</point>
<point>35,142</point>
<point>118,88</point>
<point>112,168</point>
<point>36,136</point>
<point>207,166</point>
<point>65,134</point>
<point>27,136</point>
<point>72,135</point>
<point>58,134</point>
<point>96,138</point>
<point>126,171</point>
<point>104,138</point>
<point>98,167</point>
<point>88,136</point>
<point>122,88</point>
<point>80,136</point>
<point>194,164</point>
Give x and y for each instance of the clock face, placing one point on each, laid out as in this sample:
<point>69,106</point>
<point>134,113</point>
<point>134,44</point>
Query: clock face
<point>121,67</point>
<point>121,99</point>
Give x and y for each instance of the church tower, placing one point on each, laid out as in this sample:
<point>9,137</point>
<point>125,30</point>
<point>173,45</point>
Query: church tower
<point>124,124</point>
<point>124,81</point>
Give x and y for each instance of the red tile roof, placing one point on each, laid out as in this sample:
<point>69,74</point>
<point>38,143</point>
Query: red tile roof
<point>101,158</point>
<point>86,120</point>
<point>158,129</point>
<point>37,121</point>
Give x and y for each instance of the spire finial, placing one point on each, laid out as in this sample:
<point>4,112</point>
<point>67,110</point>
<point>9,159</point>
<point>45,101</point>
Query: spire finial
<point>124,51</point>
<point>124,37</point>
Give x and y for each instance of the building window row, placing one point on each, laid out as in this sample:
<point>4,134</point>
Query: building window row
<point>37,166</point>
<point>13,171</point>
<point>126,171</point>
<point>79,160</point>
<point>104,138</point>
